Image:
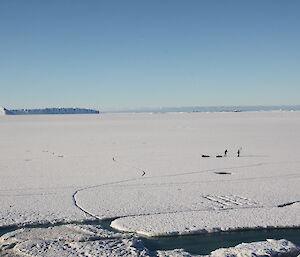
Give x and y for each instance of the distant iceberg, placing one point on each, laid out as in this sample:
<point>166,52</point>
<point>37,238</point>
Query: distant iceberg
<point>4,111</point>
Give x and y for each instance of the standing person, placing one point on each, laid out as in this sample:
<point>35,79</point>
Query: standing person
<point>238,153</point>
<point>225,153</point>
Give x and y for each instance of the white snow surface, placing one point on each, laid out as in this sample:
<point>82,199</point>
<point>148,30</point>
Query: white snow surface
<point>146,170</point>
<point>209,221</point>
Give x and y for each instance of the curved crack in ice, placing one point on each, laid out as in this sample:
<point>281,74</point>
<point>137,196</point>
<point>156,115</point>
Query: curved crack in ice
<point>95,186</point>
<point>105,184</point>
<point>114,159</point>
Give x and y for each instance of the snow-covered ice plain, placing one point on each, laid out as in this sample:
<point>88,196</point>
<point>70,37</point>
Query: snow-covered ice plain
<point>146,172</point>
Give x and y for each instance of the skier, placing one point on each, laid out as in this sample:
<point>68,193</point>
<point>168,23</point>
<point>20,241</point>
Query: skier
<point>225,153</point>
<point>238,153</point>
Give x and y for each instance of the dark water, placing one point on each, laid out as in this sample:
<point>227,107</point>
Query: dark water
<point>6,230</point>
<point>197,244</point>
<point>206,243</point>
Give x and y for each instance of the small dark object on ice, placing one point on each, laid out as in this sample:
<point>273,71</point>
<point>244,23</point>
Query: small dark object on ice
<point>219,156</point>
<point>205,156</point>
<point>222,173</point>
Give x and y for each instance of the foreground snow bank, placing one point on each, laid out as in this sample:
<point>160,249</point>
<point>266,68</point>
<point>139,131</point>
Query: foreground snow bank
<point>70,240</point>
<point>87,240</point>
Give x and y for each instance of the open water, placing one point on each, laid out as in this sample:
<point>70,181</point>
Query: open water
<point>201,243</point>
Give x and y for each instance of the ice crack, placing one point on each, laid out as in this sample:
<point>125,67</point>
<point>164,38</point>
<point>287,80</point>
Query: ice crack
<point>287,204</point>
<point>104,184</point>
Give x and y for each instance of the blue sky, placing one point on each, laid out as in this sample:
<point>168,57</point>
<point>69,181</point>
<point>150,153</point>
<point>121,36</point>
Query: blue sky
<point>130,54</point>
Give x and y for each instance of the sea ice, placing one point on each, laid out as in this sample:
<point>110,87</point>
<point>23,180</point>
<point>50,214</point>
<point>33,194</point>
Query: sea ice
<point>146,171</point>
<point>210,221</point>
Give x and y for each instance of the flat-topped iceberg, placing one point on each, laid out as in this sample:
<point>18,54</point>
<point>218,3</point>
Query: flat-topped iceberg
<point>5,111</point>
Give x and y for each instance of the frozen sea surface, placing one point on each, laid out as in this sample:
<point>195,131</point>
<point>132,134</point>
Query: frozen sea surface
<point>147,171</point>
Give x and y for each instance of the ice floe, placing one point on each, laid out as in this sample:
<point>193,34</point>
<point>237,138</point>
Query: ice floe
<point>210,221</point>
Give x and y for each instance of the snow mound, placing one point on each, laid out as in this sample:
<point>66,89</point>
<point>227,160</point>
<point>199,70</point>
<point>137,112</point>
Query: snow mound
<point>175,253</point>
<point>70,240</point>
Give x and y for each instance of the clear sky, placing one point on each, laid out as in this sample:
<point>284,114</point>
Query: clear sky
<point>149,53</point>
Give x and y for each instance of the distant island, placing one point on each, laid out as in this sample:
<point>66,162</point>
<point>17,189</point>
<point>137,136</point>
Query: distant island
<point>4,111</point>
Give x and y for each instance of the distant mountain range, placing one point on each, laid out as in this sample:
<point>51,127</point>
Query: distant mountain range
<point>4,111</point>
